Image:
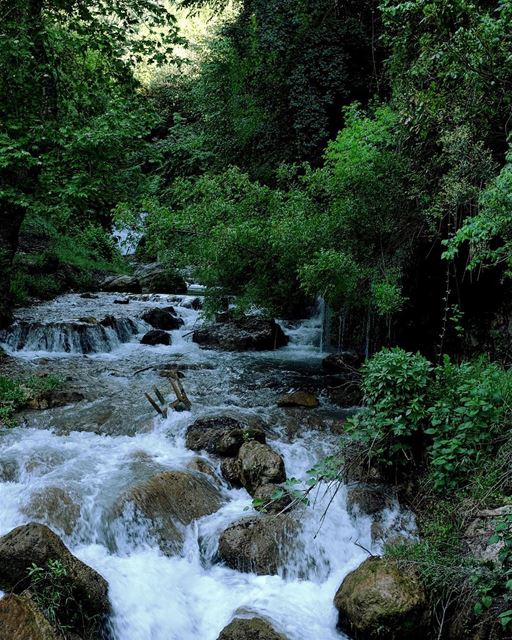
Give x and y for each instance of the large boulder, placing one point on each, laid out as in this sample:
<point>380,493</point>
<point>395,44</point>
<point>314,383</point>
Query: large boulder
<point>162,319</point>
<point>154,278</point>
<point>87,591</point>
<point>121,284</point>
<point>222,436</point>
<point>156,336</point>
<point>251,333</point>
<point>249,629</point>
<point>381,600</point>
<point>169,501</point>
<point>259,465</point>
<point>301,399</point>
<point>55,507</point>
<point>258,544</point>
<point>20,619</point>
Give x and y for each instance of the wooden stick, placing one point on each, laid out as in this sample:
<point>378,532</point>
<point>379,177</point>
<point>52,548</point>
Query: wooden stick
<point>159,395</point>
<point>155,406</point>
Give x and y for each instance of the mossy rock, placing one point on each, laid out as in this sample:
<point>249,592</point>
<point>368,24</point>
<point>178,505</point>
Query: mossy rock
<point>381,600</point>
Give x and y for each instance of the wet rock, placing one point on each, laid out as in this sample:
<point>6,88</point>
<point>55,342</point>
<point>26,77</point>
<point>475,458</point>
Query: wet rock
<point>170,500</point>
<point>88,320</point>
<point>162,319</point>
<point>260,465</point>
<point>380,600</point>
<point>345,362</point>
<point>230,469</point>
<point>203,466</point>
<point>154,278</point>
<point>298,399</point>
<point>249,629</point>
<point>156,336</point>
<point>20,619</point>
<point>9,470</point>
<point>122,301</point>
<point>55,507</point>
<point>481,529</point>
<point>121,284</point>
<point>196,304</point>
<point>89,296</point>
<point>258,545</point>
<point>37,544</point>
<point>54,398</point>
<point>368,500</point>
<point>269,503</point>
<point>222,436</point>
<point>251,333</point>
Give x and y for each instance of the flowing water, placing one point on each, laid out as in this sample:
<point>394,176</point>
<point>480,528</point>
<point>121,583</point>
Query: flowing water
<point>95,448</point>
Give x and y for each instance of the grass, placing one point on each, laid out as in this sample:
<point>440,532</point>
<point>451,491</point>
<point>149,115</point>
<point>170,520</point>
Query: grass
<point>16,392</point>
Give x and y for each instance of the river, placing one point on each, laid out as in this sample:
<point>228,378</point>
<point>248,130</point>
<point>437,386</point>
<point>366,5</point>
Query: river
<point>95,448</point>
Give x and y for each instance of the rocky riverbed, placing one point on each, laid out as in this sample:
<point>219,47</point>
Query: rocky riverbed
<point>162,507</point>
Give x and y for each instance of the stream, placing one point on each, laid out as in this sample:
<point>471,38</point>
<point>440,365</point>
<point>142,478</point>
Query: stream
<point>95,448</point>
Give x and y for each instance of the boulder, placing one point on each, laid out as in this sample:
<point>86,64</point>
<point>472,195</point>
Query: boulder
<point>89,296</point>
<point>20,619</point>
<point>259,465</point>
<point>122,301</point>
<point>345,362</point>
<point>368,500</point>
<point>269,504</point>
<point>156,336</point>
<point>258,544</point>
<point>222,436</point>
<point>9,470</point>
<point>251,333</point>
<point>162,319</point>
<point>380,600</point>
<point>155,278</point>
<point>298,399</point>
<point>170,500</point>
<point>37,544</point>
<point>54,507</point>
<point>230,470</point>
<point>249,629</point>
<point>121,284</point>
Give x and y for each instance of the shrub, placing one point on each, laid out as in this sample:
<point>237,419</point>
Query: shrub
<point>396,389</point>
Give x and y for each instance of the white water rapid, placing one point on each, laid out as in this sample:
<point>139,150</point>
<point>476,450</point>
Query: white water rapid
<point>96,448</point>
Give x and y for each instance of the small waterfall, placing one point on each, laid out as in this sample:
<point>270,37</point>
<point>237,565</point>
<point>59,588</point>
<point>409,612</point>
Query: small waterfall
<point>80,336</point>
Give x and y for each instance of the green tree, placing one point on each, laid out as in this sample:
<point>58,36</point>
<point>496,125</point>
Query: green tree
<point>35,125</point>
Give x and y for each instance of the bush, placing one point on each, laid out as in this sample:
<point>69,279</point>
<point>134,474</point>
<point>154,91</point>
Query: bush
<point>396,388</point>
<point>455,414</point>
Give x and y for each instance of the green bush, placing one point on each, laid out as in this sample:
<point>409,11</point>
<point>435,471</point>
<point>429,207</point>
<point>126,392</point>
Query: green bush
<point>455,413</point>
<point>396,387</point>
<point>470,412</point>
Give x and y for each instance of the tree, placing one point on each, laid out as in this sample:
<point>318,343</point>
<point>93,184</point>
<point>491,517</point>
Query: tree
<point>32,103</point>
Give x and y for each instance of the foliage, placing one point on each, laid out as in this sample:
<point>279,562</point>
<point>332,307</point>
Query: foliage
<point>54,594</point>
<point>396,386</point>
<point>455,414</point>
<point>16,392</point>
<point>470,412</point>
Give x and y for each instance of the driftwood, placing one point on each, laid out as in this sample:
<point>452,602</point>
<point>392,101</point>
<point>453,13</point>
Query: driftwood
<point>182,402</point>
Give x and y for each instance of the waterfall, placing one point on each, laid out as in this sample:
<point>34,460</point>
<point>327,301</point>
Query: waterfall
<point>87,336</point>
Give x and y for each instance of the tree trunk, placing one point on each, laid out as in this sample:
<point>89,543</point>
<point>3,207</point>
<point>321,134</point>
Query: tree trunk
<point>11,217</point>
